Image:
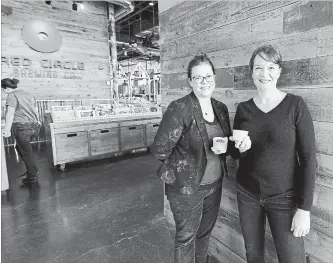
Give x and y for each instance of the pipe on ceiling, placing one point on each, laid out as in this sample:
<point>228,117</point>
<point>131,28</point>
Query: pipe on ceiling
<point>123,8</point>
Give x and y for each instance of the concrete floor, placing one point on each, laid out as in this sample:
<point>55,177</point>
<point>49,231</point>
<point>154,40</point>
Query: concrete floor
<point>108,211</point>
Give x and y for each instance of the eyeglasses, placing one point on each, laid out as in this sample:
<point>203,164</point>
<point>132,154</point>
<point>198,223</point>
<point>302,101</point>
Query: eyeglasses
<point>200,79</point>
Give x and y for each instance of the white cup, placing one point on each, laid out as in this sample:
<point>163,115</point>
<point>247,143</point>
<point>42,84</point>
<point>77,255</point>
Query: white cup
<point>238,135</point>
<point>220,144</point>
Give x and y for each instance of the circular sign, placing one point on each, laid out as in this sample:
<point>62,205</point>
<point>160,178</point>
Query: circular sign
<point>41,36</point>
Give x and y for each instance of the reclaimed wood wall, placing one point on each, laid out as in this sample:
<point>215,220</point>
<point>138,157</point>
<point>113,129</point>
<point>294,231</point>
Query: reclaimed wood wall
<point>229,32</point>
<point>84,39</point>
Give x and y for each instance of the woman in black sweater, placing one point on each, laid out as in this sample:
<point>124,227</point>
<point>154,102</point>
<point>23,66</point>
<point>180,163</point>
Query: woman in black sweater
<point>276,176</point>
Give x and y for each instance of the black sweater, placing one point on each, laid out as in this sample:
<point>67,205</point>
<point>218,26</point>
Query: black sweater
<point>282,156</point>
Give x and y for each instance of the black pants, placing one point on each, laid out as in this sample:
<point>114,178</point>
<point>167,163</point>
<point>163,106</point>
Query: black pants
<point>23,132</point>
<point>279,210</point>
<point>195,216</point>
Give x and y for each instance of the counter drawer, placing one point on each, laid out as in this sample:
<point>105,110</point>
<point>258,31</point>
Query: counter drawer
<point>104,141</point>
<point>71,146</point>
<point>132,137</point>
<point>151,130</point>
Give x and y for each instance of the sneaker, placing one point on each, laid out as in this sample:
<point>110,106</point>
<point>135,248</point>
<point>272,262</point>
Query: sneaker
<point>30,180</point>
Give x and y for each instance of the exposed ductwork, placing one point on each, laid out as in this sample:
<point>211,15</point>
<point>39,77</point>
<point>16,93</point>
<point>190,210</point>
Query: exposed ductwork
<point>139,49</point>
<point>137,33</point>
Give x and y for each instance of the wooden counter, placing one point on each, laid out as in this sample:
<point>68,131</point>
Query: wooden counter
<point>82,140</point>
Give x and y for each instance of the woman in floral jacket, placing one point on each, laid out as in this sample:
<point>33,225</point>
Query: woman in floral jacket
<point>191,168</point>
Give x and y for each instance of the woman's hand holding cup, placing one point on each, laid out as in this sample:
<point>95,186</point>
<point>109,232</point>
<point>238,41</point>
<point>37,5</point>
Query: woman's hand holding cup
<point>220,145</point>
<point>241,139</point>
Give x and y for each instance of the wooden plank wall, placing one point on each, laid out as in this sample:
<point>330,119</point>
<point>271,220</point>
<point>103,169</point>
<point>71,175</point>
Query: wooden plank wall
<point>84,36</point>
<point>229,32</point>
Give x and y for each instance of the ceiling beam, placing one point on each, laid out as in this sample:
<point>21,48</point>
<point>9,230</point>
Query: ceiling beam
<point>124,7</point>
<point>133,14</point>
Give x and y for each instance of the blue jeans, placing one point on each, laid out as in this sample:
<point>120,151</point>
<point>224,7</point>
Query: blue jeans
<point>23,132</point>
<point>195,216</point>
<point>279,210</point>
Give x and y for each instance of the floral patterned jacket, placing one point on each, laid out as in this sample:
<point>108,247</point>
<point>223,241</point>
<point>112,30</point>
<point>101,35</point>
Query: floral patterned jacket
<point>181,143</point>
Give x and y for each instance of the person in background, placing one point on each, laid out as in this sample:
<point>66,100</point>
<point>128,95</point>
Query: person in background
<point>191,169</point>
<point>275,178</point>
<point>22,119</point>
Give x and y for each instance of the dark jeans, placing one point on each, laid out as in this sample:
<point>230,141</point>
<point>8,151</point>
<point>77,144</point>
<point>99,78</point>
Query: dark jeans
<point>23,133</point>
<point>279,210</point>
<point>195,216</point>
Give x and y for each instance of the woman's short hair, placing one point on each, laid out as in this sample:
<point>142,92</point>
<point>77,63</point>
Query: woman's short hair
<point>9,83</point>
<point>197,60</point>
<point>268,53</point>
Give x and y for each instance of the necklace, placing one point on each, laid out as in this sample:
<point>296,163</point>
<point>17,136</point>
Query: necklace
<point>205,106</point>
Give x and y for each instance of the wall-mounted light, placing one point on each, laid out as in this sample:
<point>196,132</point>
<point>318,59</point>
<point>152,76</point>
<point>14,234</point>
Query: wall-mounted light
<point>151,3</point>
<point>74,6</point>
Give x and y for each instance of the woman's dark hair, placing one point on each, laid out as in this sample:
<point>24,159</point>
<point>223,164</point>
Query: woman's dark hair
<point>197,60</point>
<point>268,53</point>
<point>9,83</point>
